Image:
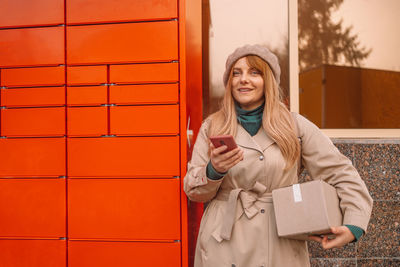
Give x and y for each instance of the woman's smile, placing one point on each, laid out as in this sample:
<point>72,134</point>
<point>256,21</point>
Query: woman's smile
<point>245,90</point>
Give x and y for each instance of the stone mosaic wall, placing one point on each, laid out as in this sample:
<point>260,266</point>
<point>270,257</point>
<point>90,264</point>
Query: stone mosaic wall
<point>378,162</point>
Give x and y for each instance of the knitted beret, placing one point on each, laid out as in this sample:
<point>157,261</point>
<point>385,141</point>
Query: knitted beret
<point>257,50</point>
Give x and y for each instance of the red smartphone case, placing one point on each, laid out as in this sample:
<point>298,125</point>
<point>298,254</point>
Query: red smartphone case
<point>221,140</point>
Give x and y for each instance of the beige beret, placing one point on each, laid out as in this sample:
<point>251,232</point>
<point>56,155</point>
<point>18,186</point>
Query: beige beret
<point>257,50</point>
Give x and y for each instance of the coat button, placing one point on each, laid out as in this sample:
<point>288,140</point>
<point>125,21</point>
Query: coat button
<point>262,210</point>
<point>261,158</point>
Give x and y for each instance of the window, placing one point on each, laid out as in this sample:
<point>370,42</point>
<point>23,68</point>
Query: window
<point>348,65</point>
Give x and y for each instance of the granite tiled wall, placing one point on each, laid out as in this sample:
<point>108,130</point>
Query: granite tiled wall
<point>378,162</point>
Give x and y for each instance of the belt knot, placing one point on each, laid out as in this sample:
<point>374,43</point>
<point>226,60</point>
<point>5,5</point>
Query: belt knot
<point>247,198</point>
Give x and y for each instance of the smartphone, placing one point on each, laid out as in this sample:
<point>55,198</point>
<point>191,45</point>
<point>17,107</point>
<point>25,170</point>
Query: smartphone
<point>221,140</point>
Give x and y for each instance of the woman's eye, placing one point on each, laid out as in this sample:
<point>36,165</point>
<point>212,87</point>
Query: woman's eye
<point>235,73</point>
<point>255,72</point>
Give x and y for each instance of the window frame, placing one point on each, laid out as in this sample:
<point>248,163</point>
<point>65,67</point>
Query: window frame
<point>294,86</point>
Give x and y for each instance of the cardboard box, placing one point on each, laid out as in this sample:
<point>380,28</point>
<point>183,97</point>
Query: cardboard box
<point>306,209</point>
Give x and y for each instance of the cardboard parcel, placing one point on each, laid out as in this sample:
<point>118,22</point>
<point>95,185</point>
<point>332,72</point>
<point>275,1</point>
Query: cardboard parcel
<point>309,208</point>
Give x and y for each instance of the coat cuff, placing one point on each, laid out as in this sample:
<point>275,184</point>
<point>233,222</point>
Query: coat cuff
<point>356,231</point>
<point>212,174</point>
<point>356,219</point>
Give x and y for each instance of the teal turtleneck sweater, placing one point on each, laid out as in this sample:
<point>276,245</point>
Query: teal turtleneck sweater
<point>251,120</point>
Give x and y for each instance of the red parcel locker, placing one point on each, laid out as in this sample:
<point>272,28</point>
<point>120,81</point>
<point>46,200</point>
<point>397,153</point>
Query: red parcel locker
<point>33,253</point>
<point>144,94</point>
<point>122,43</point>
<point>86,95</point>
<point>79,75</point>
<point>18,13</point>
<point>90,11</point>
<point>145,47</point>
<point>144,120</point>
<point>115,157</point>
<point>32,157</point>
<point>144,73</point>
<point>32,46</point>
<point>33,121</point>
<point>42,76</point>
<point>33,97</point>
<point>118,209</point>
<point>106,254</point>
<point>87,121</point>
<point>32,208</point>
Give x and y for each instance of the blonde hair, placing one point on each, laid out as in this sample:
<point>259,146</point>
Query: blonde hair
<point>276,121</point>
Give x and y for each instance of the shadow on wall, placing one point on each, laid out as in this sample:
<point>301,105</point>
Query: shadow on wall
<point>322,41</point>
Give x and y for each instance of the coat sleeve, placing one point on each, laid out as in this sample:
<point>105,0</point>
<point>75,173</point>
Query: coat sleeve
<point>324,161</point>
<point>198,187</point>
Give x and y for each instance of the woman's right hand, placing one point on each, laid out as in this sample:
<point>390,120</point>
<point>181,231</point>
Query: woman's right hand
<point>222,162</point>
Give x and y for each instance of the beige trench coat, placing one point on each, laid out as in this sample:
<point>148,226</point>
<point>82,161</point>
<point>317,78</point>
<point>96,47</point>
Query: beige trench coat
<point>238,227</point>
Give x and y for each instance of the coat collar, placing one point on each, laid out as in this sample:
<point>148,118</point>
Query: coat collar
<point>260,142</point>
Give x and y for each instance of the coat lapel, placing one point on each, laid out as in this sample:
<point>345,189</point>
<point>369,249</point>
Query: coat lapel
<point>244,139</point>
<point>263,139</point>
<point>260,142</point>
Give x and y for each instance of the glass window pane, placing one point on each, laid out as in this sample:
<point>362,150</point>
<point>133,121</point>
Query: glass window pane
<point>229,24</point>
<point>349,63</point>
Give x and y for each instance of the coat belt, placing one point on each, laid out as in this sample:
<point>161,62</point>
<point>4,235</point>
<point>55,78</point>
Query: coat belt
<point>248,198</point>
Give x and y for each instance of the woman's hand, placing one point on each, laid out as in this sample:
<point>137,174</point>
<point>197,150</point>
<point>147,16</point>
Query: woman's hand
<point>342,237</point>
<point>222,162</point>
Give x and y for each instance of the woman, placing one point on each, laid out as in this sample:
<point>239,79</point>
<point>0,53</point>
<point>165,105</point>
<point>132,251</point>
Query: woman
<point>238,228</point>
